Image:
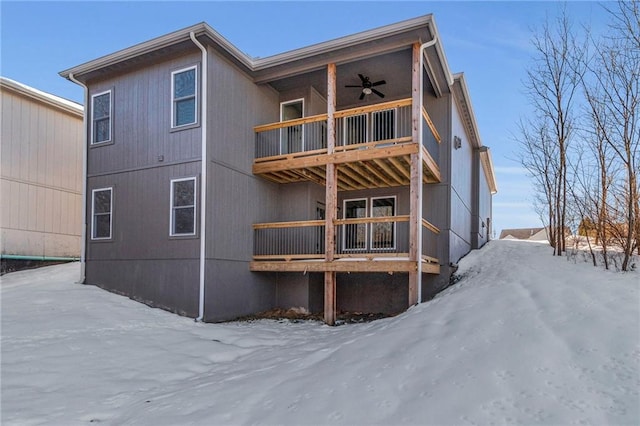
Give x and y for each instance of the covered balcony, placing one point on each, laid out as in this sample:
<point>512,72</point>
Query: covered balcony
<point>373,147</point>
<point>367,244</point>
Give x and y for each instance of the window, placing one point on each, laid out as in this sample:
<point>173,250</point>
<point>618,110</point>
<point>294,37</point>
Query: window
<point>383,233</point>
<point>183,206</point>
<point>374,235</point>
<point>183,95</point>
<point>102,207</point>
<point>101,117</point>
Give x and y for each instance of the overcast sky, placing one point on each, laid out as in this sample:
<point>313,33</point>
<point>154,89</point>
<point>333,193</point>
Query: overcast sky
<point>488,41</point>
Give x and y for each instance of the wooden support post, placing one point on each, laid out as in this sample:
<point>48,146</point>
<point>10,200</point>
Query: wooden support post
<point>415,188</point>
<point>331,200</point>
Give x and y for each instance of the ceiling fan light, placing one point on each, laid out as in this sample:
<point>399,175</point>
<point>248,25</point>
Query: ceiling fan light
<point>366,91</point>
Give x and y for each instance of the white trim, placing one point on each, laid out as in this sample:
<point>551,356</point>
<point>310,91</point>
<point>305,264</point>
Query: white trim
<point>344,227</point>
<point>173,99</point>
<point>293,101</point>
<point>93,142</point>
<point>195,208</point>
<point>93,213</point>
<point>85,141</point>
<point>395,230</point>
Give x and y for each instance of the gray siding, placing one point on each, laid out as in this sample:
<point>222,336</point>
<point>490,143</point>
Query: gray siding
<point>141,121</point>
<point>141,260</point>
<point>461,190</point>
<point>236,198</point>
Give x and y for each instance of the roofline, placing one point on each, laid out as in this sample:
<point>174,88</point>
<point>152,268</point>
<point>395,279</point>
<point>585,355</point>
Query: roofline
<point>157,43</point>
<point>343,42</point>
<point>258,64</point>
<point>487,166</point>
<point>44,97</point>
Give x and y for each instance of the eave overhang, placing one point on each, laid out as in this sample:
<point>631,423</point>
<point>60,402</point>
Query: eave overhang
<point>463,102</point>
<point>54,101</point>
<point>262,70</point>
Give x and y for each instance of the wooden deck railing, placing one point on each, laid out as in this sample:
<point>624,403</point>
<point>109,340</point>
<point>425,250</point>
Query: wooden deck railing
<point>371,126</point>
<point>386,236</point>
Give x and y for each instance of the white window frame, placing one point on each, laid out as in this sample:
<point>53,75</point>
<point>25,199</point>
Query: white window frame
<point>93,213</point>
<point>195,207</point>
<point>344,227</point>
<point>173,98</point>
<point>395,230</point>
<point>93,136</point>
<point>282,104</point>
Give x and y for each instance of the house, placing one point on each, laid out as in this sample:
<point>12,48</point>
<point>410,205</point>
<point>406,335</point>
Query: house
<point>344,176</point>
<point>41,179</point>
<point>533,234</point>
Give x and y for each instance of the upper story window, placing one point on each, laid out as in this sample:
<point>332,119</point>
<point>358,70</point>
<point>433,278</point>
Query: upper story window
<point>183,95</point>
<point>101,212</point>
<point>183,206</point>
<point>101,117</point>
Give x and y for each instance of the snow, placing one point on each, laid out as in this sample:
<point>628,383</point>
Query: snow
<point>522,338</point>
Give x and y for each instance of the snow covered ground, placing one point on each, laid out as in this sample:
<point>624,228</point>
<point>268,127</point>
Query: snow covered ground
<point>523,338</point>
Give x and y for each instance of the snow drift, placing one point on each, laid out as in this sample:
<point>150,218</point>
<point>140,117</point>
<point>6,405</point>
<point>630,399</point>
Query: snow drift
<point>522,338</point>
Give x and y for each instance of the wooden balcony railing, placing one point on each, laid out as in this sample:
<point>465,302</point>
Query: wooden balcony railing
<point>371,126</point>
<point>373,147</point>
<point>367,237</point>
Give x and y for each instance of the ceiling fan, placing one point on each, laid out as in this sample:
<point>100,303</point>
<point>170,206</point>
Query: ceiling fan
<point>368,87</point>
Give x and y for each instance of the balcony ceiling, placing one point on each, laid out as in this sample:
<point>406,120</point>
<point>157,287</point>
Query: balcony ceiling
<point>394,68</point>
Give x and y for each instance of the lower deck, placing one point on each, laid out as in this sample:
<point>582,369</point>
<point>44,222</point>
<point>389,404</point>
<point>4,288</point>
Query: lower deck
<point>347,263</point>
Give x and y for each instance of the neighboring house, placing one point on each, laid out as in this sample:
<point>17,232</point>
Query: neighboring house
<point>344,176</point>
<point>533,234</point>
<point>41,189</point>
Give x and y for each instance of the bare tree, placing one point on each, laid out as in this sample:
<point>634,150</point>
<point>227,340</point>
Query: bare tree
<point>613,94</point>
<point>553,84</point>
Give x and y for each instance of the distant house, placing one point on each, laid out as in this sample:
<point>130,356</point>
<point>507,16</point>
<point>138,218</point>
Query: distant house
<point>533,234</point>
<point>343,176</point>
<point>41,181</point>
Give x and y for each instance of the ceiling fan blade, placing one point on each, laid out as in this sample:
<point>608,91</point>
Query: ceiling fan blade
<point>378,93</point>
<point>362,77</point>
<point>361,96</point>
<point>378,83</point>
<point>351,85</point>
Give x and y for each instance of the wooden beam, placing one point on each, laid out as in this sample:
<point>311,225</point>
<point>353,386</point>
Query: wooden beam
<point>432,126</point>
<point>401,167</point>
<point>342,265</point>
<point>380,163</point>
<point>356,177</point>
<point>290,123</point>
<point>382,219</point>
<point>372,167</point>
<point>293,224</point>
<point>432,166</point>
<point>333,158</point>
<point>430,226</point>
<point>331,200</point>
<point>371,108</point>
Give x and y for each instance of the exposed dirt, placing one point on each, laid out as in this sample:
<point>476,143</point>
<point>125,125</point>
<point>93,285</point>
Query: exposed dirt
<point>300,314</point>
